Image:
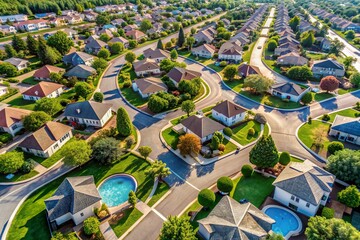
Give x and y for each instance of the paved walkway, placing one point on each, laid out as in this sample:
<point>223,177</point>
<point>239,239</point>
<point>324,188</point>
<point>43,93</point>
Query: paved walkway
<point>107,231</point>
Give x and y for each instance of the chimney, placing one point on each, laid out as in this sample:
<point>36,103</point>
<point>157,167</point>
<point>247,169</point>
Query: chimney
<point>78,110</point>
<point>36,93</point>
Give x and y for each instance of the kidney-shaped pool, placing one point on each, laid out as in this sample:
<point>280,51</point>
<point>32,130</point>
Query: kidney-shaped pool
<point>115,189</point>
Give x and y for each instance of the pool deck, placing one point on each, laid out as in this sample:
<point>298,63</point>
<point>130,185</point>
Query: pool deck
<point>304,219</point>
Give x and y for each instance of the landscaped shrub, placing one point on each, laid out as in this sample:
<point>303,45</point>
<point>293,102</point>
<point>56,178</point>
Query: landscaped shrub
<point>127,84</point>
<point>247,170</point>
<point>227,131</point>
<point>223,63</point>
<point>28,166</point>
<point>5,137</point>
<point>64,102</point>
<point>91,225</point>
<point>327,212</point>
<point>251,132</point>
<point>225,184</point>
<point>325,117</point>
<point>260,118</point>
<point>307,98</point>
<point>285,158</point>
<point>309,120</point>
<point>221,147</point>
<point>206,198</point>
<point>335,146</point>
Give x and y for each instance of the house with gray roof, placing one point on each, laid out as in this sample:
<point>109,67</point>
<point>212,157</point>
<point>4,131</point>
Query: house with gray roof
<point>81,71</point>
<point>346,129</point>
<point>148,86</point>
<point>89,113</point>
<point>75,199</point>
<point>289,90</point>
<point>228,113</point>
<point>201,126</point>
<point>232,220</point>
<point>19,63</point>
<point>303,187</point>
<point>94,46</point>
<point>328,67</point>
<point>77,58</point>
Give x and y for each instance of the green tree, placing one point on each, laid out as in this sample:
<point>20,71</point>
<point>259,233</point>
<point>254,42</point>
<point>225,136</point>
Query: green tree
<point>350,34</point>
<point>145,151</point>
<point>258,83</point>
<point>159,170</point>
<point>8,69</point>
<point>178,228</point>
<point>145,25</point>
<point>83,89</point>
<point>264,154</point>
<point>132,198</point>
<point>50,106</point>
<point>104,53</point>
<point>32,44</point>
<point>47,54</point>
<point>130,57</point>
<point>123,122</point>
<point>206,198</point>
<point>157,104</point>
<point>348,61</point>
<point>10,51</point>
<point>11,162</point>
<point>272,44</point>
<point>294,23</point>
<point>307,98</point>
<point>18,43</point>
<point>107,151</point>
<point>181,38</point>
<point>190,86</point>
<point>99,64</point>
<point>307,39</point>
<point>61,42</point>
<point>225,185</point>
<point>35,120</point>
<point>230,72</point>
<point>301,73</point>
<point>91,226</point>
<point>275,236</point>
<point>284,158</point>
<point>98,97</point>
<point>336,47</point>
<point>188,106</point>
<point>190,42</point>
<point>160,45</point>
<point>355,79</point>
<point>102,19</point>
<point>117,48</point>
<point>104,37</point>
<point>215,142</point>
<point>166,65</point>
<point>173,54</point>
<point>350,196</point>
<point>77,153</point>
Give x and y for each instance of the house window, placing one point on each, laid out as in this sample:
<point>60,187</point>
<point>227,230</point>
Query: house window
<point>324,197</point>
<point>297,199</point>
<point>293,197</point>
<point>307,204</point>
<point>81,214</point>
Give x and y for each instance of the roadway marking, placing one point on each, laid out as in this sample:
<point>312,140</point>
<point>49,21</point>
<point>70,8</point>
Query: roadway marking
<point>159,214</point>
<point>185,180</point>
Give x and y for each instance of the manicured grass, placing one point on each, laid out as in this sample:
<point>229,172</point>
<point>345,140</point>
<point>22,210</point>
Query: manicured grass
<point>344,91</point>
<point>240,133</point>
<point>247,54</point>
<point>18,177</point>
<point>235,85</point>
<point>30,81</point>
<point>346,113</point>
<point>295,159</point>
<point>160,191</point>
<point>229,146</point>
<point>19,102</point>
<point>171,137</point>
<point>30,220</point>
<point>70,94</point>
<point>179,119</point>
<point>271,63</point>
<point>270,100</point>
<point>131,215</point>
<point>315,56</point>
<point>322,96</point>
<point>266,130</point>
<point>133,97</point>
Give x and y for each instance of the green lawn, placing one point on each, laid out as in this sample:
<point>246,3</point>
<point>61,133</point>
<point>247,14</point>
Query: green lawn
<point>19,102</point>
<point>30,220</point>
<point>18,176</point>
<point>315,56</point>
<point>247,54</point>
<point>346,113</point>
<point>30,81</point>
<point>160,191</point>
<point>171,137</point>
<point>70,94</point>
<point>131,215</point>
<point>235,85</point>
<point>270,100</point>
<point>271,63</point>
<point>133,97</point>
<point>240,133</point>
<point>229,146</point>
<point>266,130</point>
<point>322,96</point>
<point>344,91</point>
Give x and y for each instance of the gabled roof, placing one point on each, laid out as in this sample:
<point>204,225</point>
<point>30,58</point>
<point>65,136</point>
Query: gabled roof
<point>232,220</point>
<point>292,58</point>
<point>88,109</point>
<point>155,53</point>
<point>177,74</point>
<point>44,72</point>
<point>229,109</point>
<point>119,39</point>
<point>9,116</point>
<point>16,61</point>
<point>96,44</point>
<point>306,181</point>
<point>150,85</point>
<point>346,125</point>
<point>80,71</point>
<point>73,195</point>
<point>135,34</point>
<point>328,63</point>
<point>145,64</point>
<point>42,89</point>
<point>246,70</point>
<point>46,136</point>
<point>288,88</point>
<point>205,48</point>
<point>201,126</point>
<point>231,48</point>
<point>83,56</point>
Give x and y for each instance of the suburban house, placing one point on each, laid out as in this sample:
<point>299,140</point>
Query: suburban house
<point>43,89</point>
<point>228,113</point>
<point>156,54</point>
<point>231,50</point>
<point>205,36</point>
<point>136,35</point>
<point>346,129</point>
<point>7,29</point>
<point>3,89</point>
<point>130,27</point>
<point>11,119</point>
<point>122,40</point>
<point>288,90</point>
<point>204,51</point>
<point>325,44</point>
<point>77,58</point>
<point>19,63</point>
<point>232,220</point>
<point>328,67</point>
<point>44,72</point>
<point>146,67</point>
<point>75,199</point>
<point>32,25</point>
<point>177,74</point>
<point>91,38</point>
<point>118,22</point>
<point>13,18</point>
<point>81,71</point>
<point>45,141</point>
<point>201,126</point>
<point>303,187</point>
<point>291,59</point>
<point>245,70</point>
<point>89,113</point>
<point>148,86</point>
<point>95,46</point>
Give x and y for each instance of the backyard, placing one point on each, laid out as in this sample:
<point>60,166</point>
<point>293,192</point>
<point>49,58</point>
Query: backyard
<point>241,132</point>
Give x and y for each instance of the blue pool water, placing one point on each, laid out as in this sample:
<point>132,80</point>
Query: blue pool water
<point>285,220</point>
<point>115,190</point>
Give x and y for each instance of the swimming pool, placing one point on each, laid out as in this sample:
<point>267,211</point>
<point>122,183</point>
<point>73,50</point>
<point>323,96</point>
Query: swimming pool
<point>115,189</point>
<point>286,223</point>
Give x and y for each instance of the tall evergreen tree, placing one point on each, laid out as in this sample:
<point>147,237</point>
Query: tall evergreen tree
<point>32,44</point>
<point>181,38</point>
<point>10,51</point>
<point>123,122</point>
<point>264,153</point>
<point>18,44</point>
<point>160,45</point>
<point>46,54</point>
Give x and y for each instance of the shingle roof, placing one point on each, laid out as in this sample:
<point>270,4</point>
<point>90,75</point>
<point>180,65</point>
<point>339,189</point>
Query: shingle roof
<point>288,88</point>
<point>231,48</point>
<point>88,109</point>
<point>306,181</point>
<point>80,71</point>
<point>96,44</point>
<point>42,89</point>
<point>16,61</point>
<point>229,109</point>
<point>346,125</point>
<point>46,136</point>
<point>232,220</point>
<point>83,56</point>
<point>201,126</point>
<point>135,34</point>
<point>246,70</point>
<point>150,85</point>
<point>119,39</point>
<point>73,195</point>
<point>9,116</point>
<point>292,58</point>
<point>177,74</point>
<point>45,71</point>
<point>145,64</point>
<point>157,53</point>
<point>205,47</point>
<point>328,63</point>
